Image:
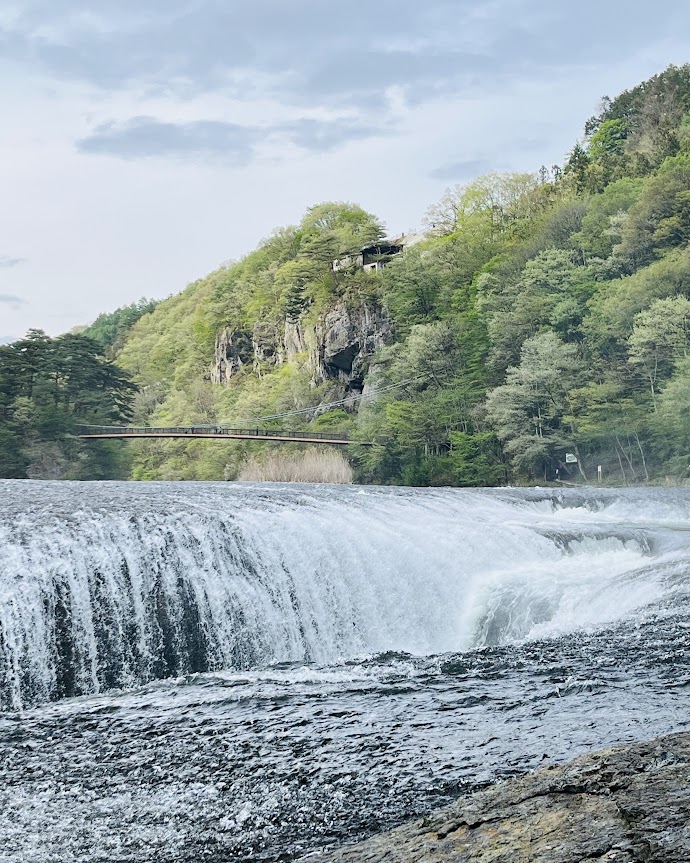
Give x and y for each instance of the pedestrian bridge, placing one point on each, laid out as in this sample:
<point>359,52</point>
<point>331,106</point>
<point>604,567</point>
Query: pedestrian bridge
<point>219,432</point>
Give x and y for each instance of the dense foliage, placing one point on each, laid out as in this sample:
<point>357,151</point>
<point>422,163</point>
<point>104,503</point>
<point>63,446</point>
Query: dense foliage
<point>110,328</point>
<point>48,387</point>
<point>544,314</point>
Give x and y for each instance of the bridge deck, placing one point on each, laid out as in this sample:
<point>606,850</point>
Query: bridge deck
<point>212,432</point>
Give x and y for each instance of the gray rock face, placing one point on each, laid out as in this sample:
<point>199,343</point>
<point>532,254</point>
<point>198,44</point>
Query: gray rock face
<point>624,805</point>
<point>267,345</point>
<point>338,347</point>
<point>233,350</point>
<point>294,340</point>
<point>345,338</point>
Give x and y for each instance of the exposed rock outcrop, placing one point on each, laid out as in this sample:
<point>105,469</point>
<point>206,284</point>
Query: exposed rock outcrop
<point>294,340</point>
<point>233,350</point>
<point>345,339</point>
<point>338,347</point>
<point>267,345</point>
<point>624,805</point>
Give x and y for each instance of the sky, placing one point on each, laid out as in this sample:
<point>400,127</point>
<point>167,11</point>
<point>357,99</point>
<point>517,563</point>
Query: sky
<point>145,142</point>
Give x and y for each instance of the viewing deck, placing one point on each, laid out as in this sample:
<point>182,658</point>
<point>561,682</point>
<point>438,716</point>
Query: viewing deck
<point>214,433</point>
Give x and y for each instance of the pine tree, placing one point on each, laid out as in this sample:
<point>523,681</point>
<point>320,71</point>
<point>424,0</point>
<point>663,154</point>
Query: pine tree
<point>295,303</point>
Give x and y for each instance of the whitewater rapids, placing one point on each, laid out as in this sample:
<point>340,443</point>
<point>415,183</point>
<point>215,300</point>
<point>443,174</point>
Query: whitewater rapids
<point>205,671</point>
<point>110,585</point>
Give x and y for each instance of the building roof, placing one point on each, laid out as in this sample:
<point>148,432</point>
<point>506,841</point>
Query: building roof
<point>381,244</point>
<point>401,242</point>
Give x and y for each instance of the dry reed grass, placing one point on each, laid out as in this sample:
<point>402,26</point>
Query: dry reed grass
<point>312,465</point>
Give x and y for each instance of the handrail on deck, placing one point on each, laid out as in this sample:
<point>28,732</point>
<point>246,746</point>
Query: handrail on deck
<point>207,431</point>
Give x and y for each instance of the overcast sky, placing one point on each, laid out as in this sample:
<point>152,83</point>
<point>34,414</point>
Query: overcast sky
<point>144,142</point>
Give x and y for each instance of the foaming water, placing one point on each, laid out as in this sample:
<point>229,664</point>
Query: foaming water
<point>264,672</point>
<point>112,585</point>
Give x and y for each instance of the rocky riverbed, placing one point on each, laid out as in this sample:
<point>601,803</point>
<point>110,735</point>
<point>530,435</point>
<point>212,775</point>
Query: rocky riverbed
<point>623,805</point>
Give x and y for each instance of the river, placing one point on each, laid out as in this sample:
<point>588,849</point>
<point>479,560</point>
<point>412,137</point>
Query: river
<point>215,672</point>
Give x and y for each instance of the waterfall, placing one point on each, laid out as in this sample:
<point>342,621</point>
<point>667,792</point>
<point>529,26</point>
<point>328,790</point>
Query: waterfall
<point>109,585</point>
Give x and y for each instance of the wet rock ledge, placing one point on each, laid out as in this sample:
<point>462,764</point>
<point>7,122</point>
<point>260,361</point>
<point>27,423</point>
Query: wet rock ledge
<point>620,805</point>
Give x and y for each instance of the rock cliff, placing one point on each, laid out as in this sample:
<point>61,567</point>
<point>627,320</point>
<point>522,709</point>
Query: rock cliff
<point>233,350</point>
<point>623,805</point>
<point>345,339</point>
<point>337,347</point>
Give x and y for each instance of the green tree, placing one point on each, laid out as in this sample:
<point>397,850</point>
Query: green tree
<point>411,287</point>
<point>477,459</point>
<point>673,431</point>
<point>109,330</point>
<point>550,288</point>
<point>47,387</point>
<point>611,425</point>
<point>596,239</point>
<point>659,219</point>
<point>660,337</point>
<point>527,411</point>
<point>486,207</point>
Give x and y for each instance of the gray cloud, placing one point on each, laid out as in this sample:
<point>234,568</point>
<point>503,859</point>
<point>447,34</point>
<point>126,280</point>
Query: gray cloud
<point>342,50</point>
<point>361,74</point>
<point>7,262</point>
<point>335,52</point>
<point>11,300</point>
<point>320,136</point>
<point>144,137</point>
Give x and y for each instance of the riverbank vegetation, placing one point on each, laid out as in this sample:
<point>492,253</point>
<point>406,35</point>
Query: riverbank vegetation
<point>543,315</point>
<point>312,465</point>
<point>49,386</point>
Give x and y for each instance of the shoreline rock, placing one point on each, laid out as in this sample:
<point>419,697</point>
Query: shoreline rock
<point>628,804</point>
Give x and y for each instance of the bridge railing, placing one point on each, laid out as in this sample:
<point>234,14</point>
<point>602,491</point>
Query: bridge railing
<point>208,430</point>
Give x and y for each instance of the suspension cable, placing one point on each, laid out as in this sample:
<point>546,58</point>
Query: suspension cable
<point>327,405</point>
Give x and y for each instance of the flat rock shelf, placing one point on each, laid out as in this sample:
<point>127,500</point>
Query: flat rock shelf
<point>622,805</point>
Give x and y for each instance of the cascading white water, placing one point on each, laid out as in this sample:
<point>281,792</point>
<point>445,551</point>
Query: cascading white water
<point>110,585</point>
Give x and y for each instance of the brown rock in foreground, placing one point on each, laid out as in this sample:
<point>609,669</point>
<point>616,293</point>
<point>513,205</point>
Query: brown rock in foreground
<point>620,805</point>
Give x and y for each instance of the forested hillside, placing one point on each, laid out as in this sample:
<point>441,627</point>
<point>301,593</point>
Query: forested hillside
<point>543,314</point>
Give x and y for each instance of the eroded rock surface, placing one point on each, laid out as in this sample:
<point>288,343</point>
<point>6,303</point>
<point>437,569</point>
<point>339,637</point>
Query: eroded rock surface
<point>623,805</point>
<point>338,347</point>
<point>233,351</point>
<point>345,339</point>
